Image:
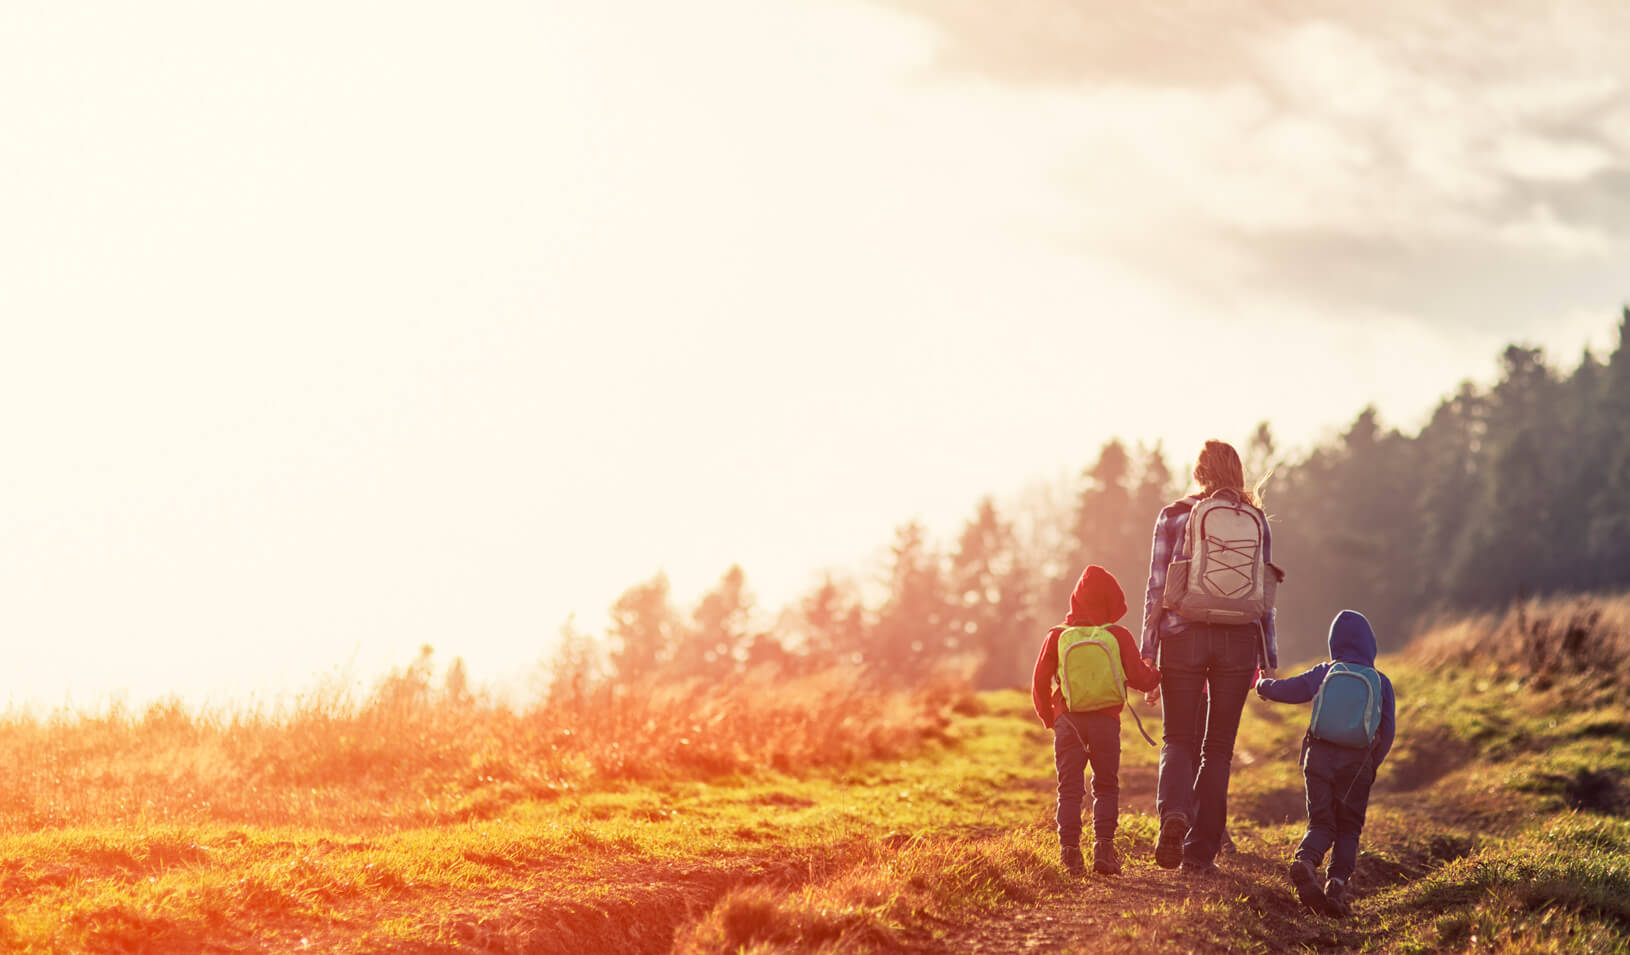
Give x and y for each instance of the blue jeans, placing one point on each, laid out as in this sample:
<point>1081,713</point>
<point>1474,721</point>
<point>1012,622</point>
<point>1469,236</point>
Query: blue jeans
<point>1194,767</point>
<point>1080,739</point>
<point>1338,795</point>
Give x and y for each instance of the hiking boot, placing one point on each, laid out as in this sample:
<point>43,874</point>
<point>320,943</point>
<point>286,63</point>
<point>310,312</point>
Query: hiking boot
<point>1338,895</point>
<point>1105,860</point>
<point>1199,868</point>
<point>1307,886</point>
<point>1169,848</point>
<point>1227,846</point>
<point>1073,861</point>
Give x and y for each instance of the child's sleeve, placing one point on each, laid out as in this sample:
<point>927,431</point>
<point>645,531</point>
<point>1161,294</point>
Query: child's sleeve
<point>1295,689</point>
<point>1041,681</point>
<point>1139,675</point>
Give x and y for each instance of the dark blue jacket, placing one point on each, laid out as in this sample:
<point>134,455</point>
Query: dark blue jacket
<point>1351,641</point>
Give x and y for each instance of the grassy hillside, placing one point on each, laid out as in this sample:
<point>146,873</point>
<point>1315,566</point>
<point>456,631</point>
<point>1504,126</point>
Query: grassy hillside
<point>817,817</point>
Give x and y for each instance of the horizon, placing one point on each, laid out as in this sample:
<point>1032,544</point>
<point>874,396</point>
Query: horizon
<point>868,563</point>
<point>334,333</point>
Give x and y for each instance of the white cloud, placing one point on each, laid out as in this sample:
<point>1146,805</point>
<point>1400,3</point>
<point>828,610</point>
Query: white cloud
<point>1616,129</point>
<point>1328,67</point>
<point>1540,230</point>
<point>1543,159</point>
<point>1455,132</point>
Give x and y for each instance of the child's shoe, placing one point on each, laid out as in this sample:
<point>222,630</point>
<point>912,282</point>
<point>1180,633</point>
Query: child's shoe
<point>1339,895</point>
<point>1105,860</point>
<point>1307,886</point>
<point>1074,862</point>
<point>1169,848</point>
<point>1227,846</point>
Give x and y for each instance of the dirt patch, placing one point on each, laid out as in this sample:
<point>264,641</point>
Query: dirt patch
<point>783,800</point>
<point>1094,912</point>
<point>1438,850</point>
<point>1047,926</point>
<point>1430,756</point>
<point>1271,808</point>
<point>1600,792</point>
<point>1137,783</point>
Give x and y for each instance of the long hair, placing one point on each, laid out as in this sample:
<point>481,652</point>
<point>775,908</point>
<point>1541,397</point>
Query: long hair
<point>1219,467</point>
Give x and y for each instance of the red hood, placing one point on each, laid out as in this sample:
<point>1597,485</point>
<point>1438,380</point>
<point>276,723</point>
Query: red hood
<point>1097,600</point>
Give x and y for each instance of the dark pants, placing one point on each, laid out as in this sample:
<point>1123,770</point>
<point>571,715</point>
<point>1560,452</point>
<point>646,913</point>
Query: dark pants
<point>1200,733</point>
<point>1079,739</point>
<point>1194,766</point>
<point>1338,794</point>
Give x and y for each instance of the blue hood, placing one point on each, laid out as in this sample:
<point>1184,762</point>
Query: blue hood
<point>1351,639</point>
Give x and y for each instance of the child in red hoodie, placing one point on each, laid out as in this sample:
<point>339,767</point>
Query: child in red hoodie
<point>1093,736</point>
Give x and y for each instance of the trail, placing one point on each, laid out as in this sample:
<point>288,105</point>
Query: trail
<point>1088,916</point>
<point>1095,905</point>
<point>1079,917</point>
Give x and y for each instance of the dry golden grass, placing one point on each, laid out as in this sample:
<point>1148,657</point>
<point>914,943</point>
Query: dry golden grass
<point>1542,639</point>
<point>804,815</point>
<point>415,752</point>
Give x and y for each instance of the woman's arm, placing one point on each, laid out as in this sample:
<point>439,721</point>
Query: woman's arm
<point>1161,550</point>
<point>1270,636</point>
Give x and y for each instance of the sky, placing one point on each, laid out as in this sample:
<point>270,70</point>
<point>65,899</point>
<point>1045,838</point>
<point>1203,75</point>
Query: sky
<point>334,329</point>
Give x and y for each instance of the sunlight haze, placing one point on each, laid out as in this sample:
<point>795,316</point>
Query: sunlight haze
<point>336,329</point>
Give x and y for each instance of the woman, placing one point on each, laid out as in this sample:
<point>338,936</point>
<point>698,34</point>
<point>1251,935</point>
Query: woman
<point>1195,643</point>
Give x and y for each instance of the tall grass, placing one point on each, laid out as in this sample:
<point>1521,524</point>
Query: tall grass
<point>417,751</point>
<point>1541,639</point>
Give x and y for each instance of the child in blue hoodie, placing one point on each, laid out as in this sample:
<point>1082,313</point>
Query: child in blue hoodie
<point>1338,777</point>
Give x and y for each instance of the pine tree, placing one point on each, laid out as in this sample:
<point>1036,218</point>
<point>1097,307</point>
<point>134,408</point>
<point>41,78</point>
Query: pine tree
<point>573,671</point>
<point>988,605</point>
<point>717,638</point>
<point>1607,537</point>
<point>1155,489</point>
<point>1259,458</point>
<point>644,630</point>
<point>1106,531</point>
<point>832,622</point>
<point>1580,472</point>
<point>1511,544</point>
<point>912,624</point>
<point>1450,460</point>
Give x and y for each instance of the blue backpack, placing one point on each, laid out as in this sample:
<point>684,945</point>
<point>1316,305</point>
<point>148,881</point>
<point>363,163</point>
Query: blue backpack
<point>1347,708</point>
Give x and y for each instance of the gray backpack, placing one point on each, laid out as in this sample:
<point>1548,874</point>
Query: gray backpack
<point>1222,574</point>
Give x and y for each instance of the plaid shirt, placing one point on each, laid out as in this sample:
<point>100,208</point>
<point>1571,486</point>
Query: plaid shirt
<point>1159,622</point>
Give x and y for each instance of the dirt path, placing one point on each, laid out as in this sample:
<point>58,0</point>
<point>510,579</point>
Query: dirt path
<point>1048,926</point>
<point>1095,904</point>
<point>1089,916</point>
<point>1082,917</point>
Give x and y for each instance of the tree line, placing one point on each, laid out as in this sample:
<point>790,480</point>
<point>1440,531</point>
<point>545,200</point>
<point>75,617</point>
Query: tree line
<point>1516,490</point>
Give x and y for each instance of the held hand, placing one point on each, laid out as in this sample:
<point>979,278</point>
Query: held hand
<point>1152,697</point>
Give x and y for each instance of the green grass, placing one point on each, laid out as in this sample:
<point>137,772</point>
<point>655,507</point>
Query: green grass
<point>1497,824</point>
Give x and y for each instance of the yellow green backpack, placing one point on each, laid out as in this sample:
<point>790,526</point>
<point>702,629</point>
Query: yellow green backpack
<point>1090,673</point>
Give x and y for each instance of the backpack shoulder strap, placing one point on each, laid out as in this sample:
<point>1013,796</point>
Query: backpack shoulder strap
<point>1185,540</point>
